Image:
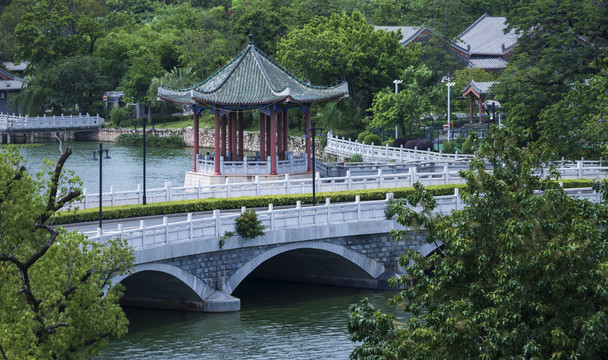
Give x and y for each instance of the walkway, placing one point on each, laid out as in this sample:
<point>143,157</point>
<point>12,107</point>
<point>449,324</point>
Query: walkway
<point>14,124</point>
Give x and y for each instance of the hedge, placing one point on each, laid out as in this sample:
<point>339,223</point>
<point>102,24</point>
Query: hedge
<point>187,206</point>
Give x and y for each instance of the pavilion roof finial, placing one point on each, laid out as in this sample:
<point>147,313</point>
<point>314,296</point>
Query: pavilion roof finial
<point>250,38</point>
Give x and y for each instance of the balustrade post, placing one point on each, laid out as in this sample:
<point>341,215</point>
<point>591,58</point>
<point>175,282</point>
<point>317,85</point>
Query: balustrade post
<point>142,226</point>
<point>287,185</point>
<point>440,154</point>
<point>299,208</point>
<point>85,196</point>
<point>416,152</point>
<point>328,205</point>
<point>166,225</point>
<point>401,152</point>
<point>199,189</point>
<point>139,194</point>
<point>111,194</point>
<point>413,176</point>
<point>445,174</point>
<point>358,204</point>
<point>579,168</point>
<point>386,151</point>
<point>457,194</point>
<point>271,215</point>
<point>456,154</point>
<point>228,187</point>
<point>120,231</point>
<point>245,165</point>
<point>349,180</point>
<point>218,222</point>
<point>191,226</point>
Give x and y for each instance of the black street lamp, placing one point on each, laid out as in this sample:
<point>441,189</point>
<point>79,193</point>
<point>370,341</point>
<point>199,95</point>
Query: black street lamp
<point>313,132</point>
<point>100,153</point>
<point>143,124</point>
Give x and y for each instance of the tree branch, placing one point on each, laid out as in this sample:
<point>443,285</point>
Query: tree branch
<point>51,328</point>
<point>2,352</point>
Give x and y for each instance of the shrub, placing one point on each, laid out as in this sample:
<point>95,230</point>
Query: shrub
<point>449,147</point>
<point>356,158</point>
<point>372,138</point>
<point>471,144</point>
<point>398,142</point>
<point>425,144</point>
<point>122,116</point>
<point>248,225</point>
<point>361,136</point>
<point>410,144</point>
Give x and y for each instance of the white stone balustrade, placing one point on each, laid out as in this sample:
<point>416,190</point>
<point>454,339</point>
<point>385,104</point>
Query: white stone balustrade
<point>250,166</point>
<point>38,123</point>
<point>379,153</point>
<point>288,185</point>
<point>326,214</point>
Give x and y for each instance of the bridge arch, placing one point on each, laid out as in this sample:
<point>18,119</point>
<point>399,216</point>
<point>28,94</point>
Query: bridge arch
<point>184,278</point>
<point>373,268</point>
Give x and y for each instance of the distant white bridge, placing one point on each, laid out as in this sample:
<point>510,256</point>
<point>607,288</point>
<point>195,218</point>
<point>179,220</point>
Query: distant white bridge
<point>15,124</point>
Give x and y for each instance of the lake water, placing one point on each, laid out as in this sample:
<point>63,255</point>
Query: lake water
<point>125,168</point>
<point>278,320</point>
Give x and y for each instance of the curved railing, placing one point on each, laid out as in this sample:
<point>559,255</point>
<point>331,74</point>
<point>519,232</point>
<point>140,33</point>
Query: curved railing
<point>26,123</point>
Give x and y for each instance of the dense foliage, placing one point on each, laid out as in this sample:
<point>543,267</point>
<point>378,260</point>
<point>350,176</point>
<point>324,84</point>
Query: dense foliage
<point>56,298</point>
<point>515,274</point>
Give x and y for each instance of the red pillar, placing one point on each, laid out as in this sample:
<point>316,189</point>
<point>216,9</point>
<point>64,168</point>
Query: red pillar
<point>480,108</point>
<point>241,134</point>
<point>273,141</point>
<point>223,118</point>
<point>195,137</point>
<point>230,142</point>
<point>285,132</point>
<point>267,134</point>
<point>262,137</point>
<point>280,134</point>
<point>216,143</point>
<point>471,108</point>
<point>233,151</point>
<point>307,126</point>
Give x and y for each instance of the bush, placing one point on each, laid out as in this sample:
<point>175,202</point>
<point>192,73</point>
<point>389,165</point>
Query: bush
<point>356,158</point>
<point>372,138</point>
<point>471,144</point>
<point>425,144</point>
<point>361,136</point>
<point>122,116</point>
<point>449,147</point>
<point>248,225</point>
<point>410,144</point>
<point>398,142</point>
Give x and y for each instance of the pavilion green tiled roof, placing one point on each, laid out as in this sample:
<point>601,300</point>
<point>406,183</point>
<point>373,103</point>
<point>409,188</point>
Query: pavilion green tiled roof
<point>252,79</point>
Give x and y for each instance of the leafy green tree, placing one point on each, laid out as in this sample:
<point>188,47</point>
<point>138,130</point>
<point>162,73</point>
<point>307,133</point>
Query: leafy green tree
<point>573,126</point>
<point>345,47</point>
<point>516,274</point>
<point>561,44</point>
<point>415,99</point>
<point>56,298</point>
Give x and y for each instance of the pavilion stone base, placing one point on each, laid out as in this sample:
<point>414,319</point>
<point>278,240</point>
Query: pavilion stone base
<point>194,178</point>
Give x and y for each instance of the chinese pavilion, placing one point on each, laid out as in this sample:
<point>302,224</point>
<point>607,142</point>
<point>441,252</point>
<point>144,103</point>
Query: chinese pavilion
<point>252,81</point>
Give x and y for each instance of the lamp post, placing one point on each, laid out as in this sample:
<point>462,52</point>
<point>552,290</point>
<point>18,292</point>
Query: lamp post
<point>100,153</point>
<point>397,82</point>
<point>449,84</point>
<point>8,88</point>
<point>313,132</point>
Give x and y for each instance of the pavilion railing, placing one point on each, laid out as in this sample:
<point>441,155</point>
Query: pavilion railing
<point>26,123</point>
<point>250,166</point>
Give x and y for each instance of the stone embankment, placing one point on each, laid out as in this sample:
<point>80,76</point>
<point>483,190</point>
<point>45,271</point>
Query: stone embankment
<point>251,140</point>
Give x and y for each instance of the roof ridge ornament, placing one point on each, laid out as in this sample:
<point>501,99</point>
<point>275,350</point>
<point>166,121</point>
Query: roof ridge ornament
<point>250,38</point>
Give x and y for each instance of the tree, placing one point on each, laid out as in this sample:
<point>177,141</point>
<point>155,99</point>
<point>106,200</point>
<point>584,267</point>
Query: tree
<point>561,44</point>
<point>516,274</point>
<point>56,298</point>
<point>345,47</point>
<point>415,99</point>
